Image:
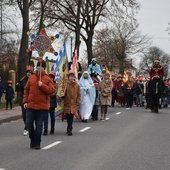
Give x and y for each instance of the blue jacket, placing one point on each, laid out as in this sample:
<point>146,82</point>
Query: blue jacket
<point>94,68</point>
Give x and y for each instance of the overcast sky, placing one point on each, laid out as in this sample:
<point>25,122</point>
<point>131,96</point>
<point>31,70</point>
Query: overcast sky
<point>153,19</point>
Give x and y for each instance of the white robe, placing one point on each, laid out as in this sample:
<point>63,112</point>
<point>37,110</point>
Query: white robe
<point>86,105</point>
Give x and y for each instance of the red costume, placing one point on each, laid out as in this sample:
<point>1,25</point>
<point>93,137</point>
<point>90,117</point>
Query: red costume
<point>156,69</point>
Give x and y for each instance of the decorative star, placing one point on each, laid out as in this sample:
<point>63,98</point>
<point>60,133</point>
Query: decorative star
<point>42,43</point>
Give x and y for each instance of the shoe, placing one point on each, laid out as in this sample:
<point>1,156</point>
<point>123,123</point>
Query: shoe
<point>32,145</point>
<point>52,131</point>
<point>85,121</point>
<point>69,133</point>
<point>25,133</point>
<point>37,146</point>
<point>45,132</point>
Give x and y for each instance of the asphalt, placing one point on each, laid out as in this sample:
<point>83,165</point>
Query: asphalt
<point>10,114</point>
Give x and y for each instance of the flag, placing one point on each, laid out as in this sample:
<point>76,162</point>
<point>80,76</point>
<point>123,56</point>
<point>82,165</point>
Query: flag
<point>61,69</point>
<point>74,63</point>
<point>107,70</point>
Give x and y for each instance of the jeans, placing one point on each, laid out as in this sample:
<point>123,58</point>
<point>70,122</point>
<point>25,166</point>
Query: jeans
<point>37,117</point>
<point>24,116</point>
<point>52,117</point>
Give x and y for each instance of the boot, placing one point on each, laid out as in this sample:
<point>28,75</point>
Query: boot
<point>69,132</point>
<point>102,116</point>
<point>52,131</point>
<point>45,132</point>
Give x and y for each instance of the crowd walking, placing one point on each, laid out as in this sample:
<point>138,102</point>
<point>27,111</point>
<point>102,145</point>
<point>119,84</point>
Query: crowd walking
<point>87,97</point>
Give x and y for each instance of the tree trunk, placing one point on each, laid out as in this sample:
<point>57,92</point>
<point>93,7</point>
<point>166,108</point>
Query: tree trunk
<point>23,58</point>
<point>121,66</point>
<point>77,33</point>
<point>89,48</point>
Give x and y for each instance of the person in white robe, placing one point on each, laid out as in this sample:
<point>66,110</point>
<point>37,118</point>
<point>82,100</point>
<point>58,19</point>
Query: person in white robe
<point>88,94</point>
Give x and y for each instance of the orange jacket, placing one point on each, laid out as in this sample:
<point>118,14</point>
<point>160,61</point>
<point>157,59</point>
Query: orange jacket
<point>38,98</point>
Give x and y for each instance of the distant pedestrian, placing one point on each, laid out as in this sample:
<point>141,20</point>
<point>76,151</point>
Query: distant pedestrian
<point>1,89</point>
<point>53,105</point>
<point>9,94</point>
<point>97,102</point>
<point>36,100</point>
<point>129,91</point>
<point>105,87</point>
<point>71,101</point>
<point>20,89</point>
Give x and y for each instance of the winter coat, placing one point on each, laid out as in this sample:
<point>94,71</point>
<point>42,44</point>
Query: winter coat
<point>139,88</point>
<point>105,87</point>
<point>9,93</point>
<point>38,97</point>
<point>129,88</point>
<point>97,99</point>
<point>71,98</point>
<point>53,98</point>
<point>20,88</point>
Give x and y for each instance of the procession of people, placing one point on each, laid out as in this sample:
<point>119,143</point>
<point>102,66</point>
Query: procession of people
<point>87,96</point>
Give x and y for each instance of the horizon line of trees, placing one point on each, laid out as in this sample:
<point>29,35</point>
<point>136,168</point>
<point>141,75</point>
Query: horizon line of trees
<point>108,27</point>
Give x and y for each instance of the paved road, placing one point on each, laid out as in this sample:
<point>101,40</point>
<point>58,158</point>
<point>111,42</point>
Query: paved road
<point>132,139</point>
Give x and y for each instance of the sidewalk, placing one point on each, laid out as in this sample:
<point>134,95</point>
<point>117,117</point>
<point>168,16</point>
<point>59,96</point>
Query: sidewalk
<point>10,114</point>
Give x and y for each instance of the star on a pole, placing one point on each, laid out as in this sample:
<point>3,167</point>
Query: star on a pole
<point>42,43</point>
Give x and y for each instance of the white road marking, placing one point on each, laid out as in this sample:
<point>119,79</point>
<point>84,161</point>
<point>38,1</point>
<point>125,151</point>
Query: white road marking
<point>83,130</point>
<point>51,145</point>
<point>2,169</point>
<point>127,108</point>
<point>118,113</point>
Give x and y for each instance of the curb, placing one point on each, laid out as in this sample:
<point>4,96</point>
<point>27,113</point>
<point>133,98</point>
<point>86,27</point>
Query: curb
<point>9,119</point>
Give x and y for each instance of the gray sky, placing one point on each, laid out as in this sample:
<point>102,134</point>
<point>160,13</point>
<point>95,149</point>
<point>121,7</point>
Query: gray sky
<point>153,18</point>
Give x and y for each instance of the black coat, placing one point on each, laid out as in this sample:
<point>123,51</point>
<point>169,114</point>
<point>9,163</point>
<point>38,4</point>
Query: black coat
<point>9,93</point>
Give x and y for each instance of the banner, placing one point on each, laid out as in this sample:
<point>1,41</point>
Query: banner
<point>74,63</point>
<point>61,69</point>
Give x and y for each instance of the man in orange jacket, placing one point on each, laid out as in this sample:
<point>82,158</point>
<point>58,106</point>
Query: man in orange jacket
<point>36,100</point>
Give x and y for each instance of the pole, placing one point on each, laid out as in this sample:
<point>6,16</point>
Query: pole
<point>71,55</point>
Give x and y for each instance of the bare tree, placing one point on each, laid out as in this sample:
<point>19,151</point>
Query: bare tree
<point>23,57</point>
<point>122,40</point>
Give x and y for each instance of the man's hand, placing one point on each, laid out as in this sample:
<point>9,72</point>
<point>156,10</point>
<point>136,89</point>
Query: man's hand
<point>39,83</point>
<point>25,105</point>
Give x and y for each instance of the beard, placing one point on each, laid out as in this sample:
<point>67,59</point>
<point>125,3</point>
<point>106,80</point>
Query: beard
<point>85,77</point>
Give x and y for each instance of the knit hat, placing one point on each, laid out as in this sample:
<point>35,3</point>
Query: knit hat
<point>71,73</point>
<point>43,63</point>
<point>52,74</point>
<point>93,59</point>
<point>9,82</point>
